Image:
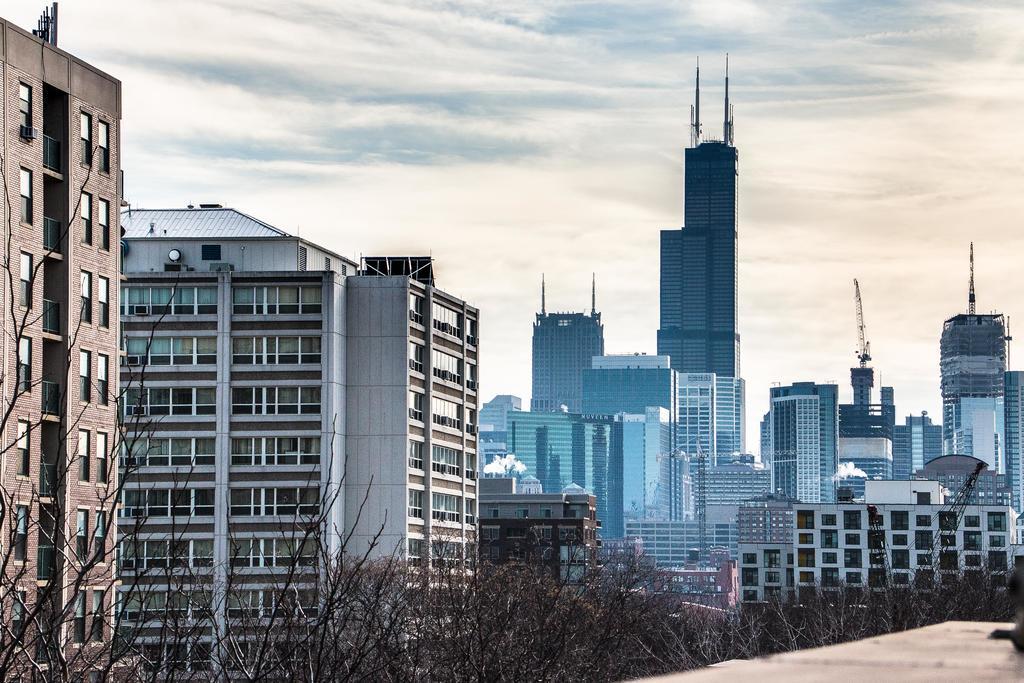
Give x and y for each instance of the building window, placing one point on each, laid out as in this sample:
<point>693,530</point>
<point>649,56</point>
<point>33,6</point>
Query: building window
<point>274,300</point>
<point>415,357</point>
<point>901,559</point>
<point>275,400</point>
<point>104,146</point>
<point>85,376</point>
<point>445,507</point>
<point>997,521</point>
<point>972,521</point>
<point>175,452</point>
<point>805,557</point>
<point>416,309</point>
<point>446,413</point>
<point>851,519</point>
<point>446,320</point>
<point>104,220</point>
<point>82,536</point>
<point>828,520</point>
<point>852,557</point>
<point>416,503</point>
<point>83,455</point>
<point>446,366</point>
<point>922,520</point>
<point>445,460</point>
<point>25,104</point>
<point>275,501</point>
<point>102,381</point>
<point>101,457</point>
<point>86,123</point>
<point>416,406</point>
<point>26,280</point>
<point>829,538</point>
<point>21,533</point>
<point>275,350</point>
<point>26,196</point>
<point>86,218</point>
<point>96,631</point>
<point>271,451</point>
<point>416,455</point>
<point>78,630</point>
<point>86,297</point>
<point>158,300</point>
<point>805,519</point>
<point>24,448</point>
<point>900,520</point>
<point>923,540</point>
<point>99,549</point>
<point>24,364</point>
<point>210,252</point>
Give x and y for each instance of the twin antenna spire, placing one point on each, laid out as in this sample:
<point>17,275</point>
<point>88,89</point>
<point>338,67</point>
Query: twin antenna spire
<point>970,290</point>
<point>593,295</point>
<point>696,131</point>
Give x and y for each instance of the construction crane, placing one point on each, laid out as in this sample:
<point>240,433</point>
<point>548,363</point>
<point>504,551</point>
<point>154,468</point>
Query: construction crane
<point>952,514</point>
<point>863,346</point>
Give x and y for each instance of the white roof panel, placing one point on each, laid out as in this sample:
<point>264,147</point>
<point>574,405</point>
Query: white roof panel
<point>196,223</point>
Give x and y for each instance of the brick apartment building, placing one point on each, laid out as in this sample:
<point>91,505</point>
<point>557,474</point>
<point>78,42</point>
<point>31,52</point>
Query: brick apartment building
<point>61,123</point>
<point>558,530</point>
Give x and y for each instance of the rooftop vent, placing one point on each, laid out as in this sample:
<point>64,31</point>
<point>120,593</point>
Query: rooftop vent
<point>211,206</point>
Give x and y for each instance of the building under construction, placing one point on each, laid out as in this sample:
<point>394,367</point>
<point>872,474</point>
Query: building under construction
<point>973,367</point>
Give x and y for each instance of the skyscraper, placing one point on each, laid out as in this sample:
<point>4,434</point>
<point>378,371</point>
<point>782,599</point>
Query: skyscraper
<point>804,425</point>
<point>494,426</point>
<point>629,383</point>
<point>699,262</point>
<point>564,345</point>
<point>914,444</point>
<point>1013,430</point>
<point>973,366</point>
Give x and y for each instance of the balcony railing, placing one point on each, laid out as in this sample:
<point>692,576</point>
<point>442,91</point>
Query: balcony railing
<point>51,316</point>
<point>48,479</point>
<point>51,234</point>
<point>51,153</point>
<point>46,562</point>
<point>51,398</point>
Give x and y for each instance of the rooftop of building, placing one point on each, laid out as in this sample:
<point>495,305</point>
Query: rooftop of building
<point>207,221</point>
<point>951,651</point>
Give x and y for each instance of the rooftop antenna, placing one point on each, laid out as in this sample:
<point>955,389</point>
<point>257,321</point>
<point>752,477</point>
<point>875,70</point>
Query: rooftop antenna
<point>970,292</point>
<point>593,294</point>
<point>46,28</point>
<point>727,124</point>
<point>695,113</point>
<point>543,306</point>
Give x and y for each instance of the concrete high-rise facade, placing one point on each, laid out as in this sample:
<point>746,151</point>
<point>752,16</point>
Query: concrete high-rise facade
<point>1013,431</point>
<point>564,345</point>
<point>61,153</point>
<point>973,366</point>
<point>914,444</point>
<point>288,381</point>
<point>804,426</point>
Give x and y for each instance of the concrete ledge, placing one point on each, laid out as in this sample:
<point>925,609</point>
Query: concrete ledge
<point>951,651</point>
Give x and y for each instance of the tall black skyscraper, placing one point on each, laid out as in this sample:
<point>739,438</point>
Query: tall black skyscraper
<point>699,262</point>
<point>563,346</point>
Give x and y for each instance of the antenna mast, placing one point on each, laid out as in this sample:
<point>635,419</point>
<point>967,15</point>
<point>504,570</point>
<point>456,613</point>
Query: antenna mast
<point>46,28</point>
<point>727,123</point>
<point>543,303</point>
<point>970,292</point>
<point>695,112</point>
<point>593,294</point>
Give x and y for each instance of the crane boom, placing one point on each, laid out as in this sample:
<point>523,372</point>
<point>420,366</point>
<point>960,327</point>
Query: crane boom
<point>863,346</point>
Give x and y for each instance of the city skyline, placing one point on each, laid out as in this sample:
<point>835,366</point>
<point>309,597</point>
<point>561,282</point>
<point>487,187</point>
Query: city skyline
<point>568,136</point>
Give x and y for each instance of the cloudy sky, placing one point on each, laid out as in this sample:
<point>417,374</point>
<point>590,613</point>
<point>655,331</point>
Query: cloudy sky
<point>876,139</point>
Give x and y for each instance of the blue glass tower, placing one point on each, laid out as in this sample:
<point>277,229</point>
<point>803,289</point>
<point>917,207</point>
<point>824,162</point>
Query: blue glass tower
<point>699,261</point>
